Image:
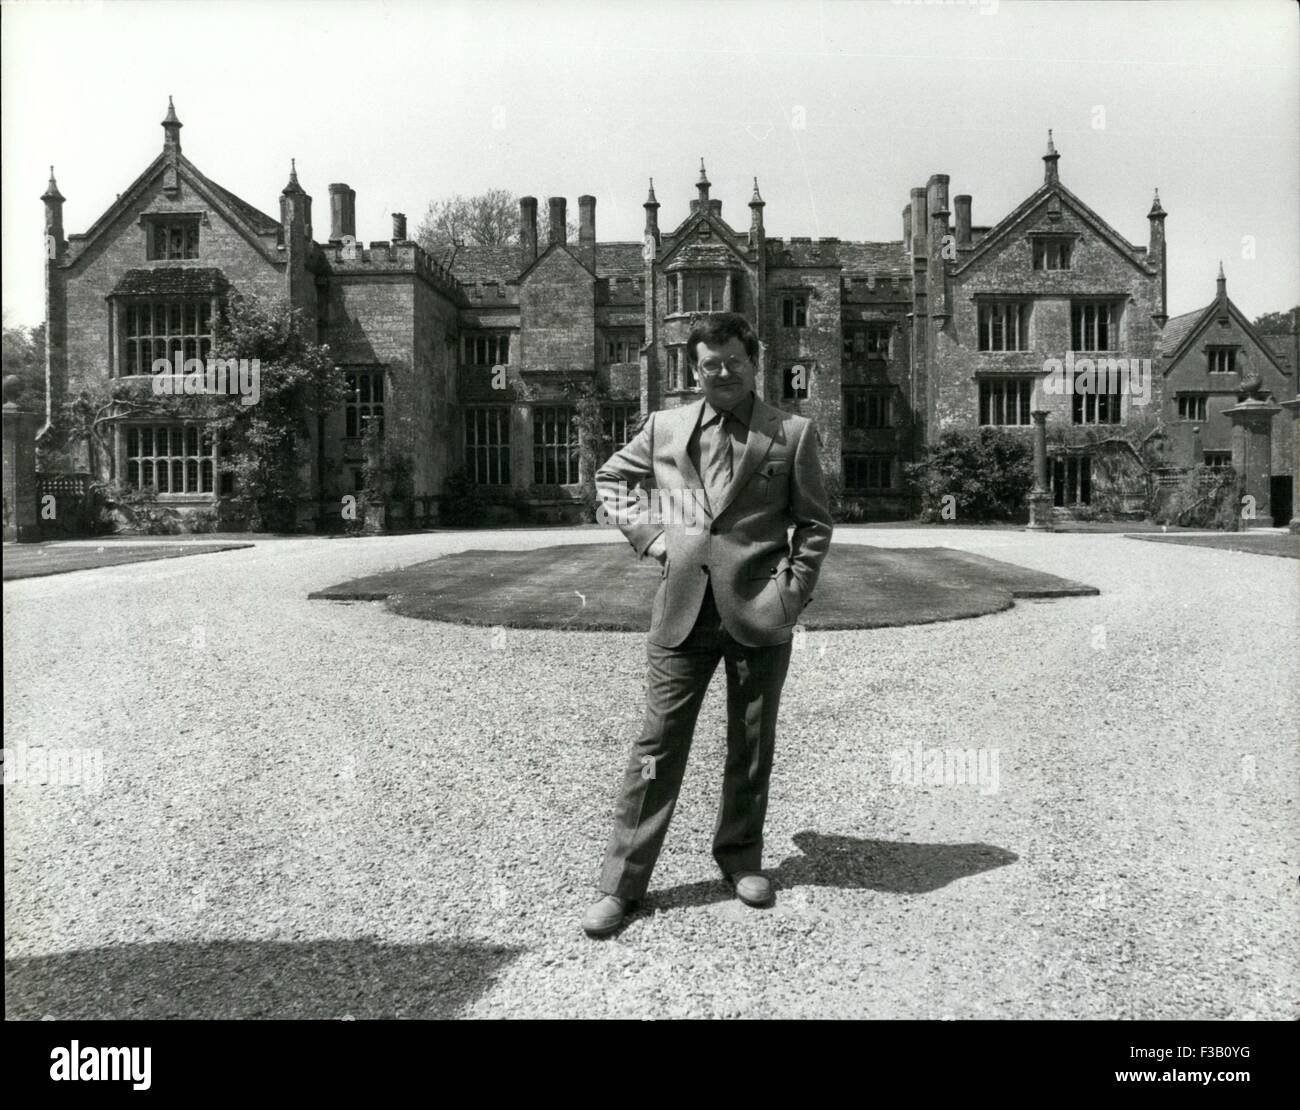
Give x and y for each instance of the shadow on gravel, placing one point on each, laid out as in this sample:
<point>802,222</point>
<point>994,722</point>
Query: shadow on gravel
<point>849,863</point>
<point>896,867</point>
<point>363,979</point>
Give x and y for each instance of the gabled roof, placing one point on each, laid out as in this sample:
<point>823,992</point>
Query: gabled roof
<point>554,249</point>
<point>680,235</point>
<point>475,263</point>
<point>853,258</point>
<point>254,224</point>
<point>1176,330</point>
<point>501,263</point>
<point>619,260</point>
<point>1004,227</point>
<point>1173,347</point>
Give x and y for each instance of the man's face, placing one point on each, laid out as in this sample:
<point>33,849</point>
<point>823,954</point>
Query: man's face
<point>726,372</point>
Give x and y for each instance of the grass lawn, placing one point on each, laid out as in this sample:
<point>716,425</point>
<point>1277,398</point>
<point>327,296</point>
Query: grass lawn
<point>604,587</point>
<point>38,559</point>
<point>1252,543</point>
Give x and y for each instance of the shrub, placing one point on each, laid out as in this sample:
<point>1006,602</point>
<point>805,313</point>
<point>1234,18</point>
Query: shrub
<point>1205,498</point>
<point>988,472</point>
<point>464,505</point>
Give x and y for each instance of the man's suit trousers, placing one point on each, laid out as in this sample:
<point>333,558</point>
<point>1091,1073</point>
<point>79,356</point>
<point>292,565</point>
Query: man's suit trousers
<point>678,678</point>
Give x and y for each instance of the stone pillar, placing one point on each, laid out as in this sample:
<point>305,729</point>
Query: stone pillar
<point>1293,406</point>
<point>1252,453</point>
<point>20,491</point>
<point>1040,497</point>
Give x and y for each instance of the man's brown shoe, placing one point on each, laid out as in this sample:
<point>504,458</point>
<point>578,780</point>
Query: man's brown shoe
<point>753,888</point>
<point>606,915</point>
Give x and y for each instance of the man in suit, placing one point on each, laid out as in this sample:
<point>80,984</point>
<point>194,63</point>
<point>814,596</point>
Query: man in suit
<point>733,585</point>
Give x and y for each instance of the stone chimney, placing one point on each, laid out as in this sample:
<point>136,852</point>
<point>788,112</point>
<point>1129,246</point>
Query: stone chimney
<point>587,219</point>
<point>907,227</point>
<point>559,230</point>
<point>963,219</point>
<point>920,217</point>
<point>343,211</point>
<point>527,231</point>
<point>399,227</point>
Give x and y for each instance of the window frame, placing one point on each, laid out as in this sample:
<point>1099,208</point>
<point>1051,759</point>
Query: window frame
<point>851,461</point>
<point>483,458</point>
<point>356,408</point>
<point>1023,400</point>
<point>858,399</point>
<point>563,454</point>
<point>991,321</point>
<point>196,467</point>
<point>1079,328</point>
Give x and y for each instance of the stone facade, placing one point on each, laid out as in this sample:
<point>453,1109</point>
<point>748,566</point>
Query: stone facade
<point>477,361</point>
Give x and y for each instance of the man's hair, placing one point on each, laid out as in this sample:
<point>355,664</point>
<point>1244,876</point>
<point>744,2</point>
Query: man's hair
<point>716,328</point>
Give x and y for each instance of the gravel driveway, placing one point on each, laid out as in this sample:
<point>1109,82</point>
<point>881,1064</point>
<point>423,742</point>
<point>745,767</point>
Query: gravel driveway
<point>321,809</point>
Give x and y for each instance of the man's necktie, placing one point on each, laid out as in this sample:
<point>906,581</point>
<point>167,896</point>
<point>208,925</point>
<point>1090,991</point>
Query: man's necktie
<point>717,466</point>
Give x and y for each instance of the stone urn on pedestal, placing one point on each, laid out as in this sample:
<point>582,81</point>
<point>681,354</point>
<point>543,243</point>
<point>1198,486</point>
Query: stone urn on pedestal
<point>1252,448</point>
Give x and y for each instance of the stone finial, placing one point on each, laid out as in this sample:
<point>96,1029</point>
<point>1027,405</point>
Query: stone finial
<point>292,186</point>
<point>1050,159</point>
<point>756,200</point>
<point>702,186</point>
<point>52,190</point>
<point>1157,211</point>
<point>171,126</point>
<point>650,201</point>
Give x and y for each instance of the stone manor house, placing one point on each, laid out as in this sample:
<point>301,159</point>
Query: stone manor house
<point>479,355</point>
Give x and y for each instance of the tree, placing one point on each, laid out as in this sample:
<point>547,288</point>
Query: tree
<point>24,358</point>
<point>489,219</point>
<point>1278,323</point>
<point>265,444</point>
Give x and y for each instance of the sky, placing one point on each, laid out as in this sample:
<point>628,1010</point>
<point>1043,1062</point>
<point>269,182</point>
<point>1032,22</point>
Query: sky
<point>838,109</point>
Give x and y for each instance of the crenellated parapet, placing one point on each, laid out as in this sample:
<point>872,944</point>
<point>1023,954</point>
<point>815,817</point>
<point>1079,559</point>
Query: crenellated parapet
<point>346,258</point>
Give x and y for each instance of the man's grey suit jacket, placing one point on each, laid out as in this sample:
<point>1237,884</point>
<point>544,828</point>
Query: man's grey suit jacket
<point>762,577</point>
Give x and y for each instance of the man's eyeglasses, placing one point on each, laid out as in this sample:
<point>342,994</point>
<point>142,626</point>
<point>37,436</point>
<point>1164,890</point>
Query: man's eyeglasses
<point>712,367</point>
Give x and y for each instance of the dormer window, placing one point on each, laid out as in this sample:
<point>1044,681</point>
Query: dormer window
<point>173,239</point>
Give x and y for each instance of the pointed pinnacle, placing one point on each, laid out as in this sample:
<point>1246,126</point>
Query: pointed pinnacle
<point>171,117</point>
<point>651,198</point>
<point>756,198</point>
<point>52,189</point>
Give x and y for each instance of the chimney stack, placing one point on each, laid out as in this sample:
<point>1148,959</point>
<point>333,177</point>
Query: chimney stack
<point>559,230</point>
<point>528,229</point>
<point>399,227</point>
<point>920,216</point>
<point>963,220</point>
<point>587,219</point>
<point>343,211</point>
<point>715,209</point>
<point>937,194</point>
<point>907,227</point>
